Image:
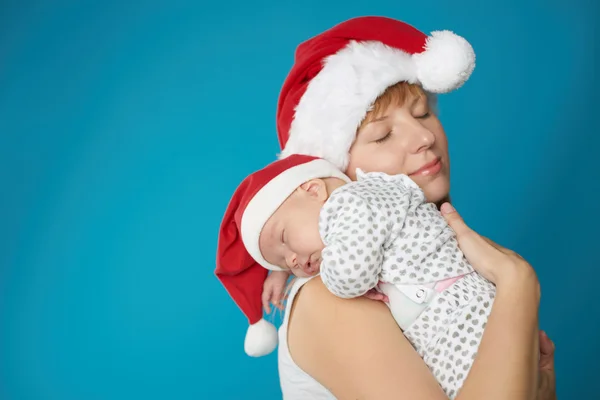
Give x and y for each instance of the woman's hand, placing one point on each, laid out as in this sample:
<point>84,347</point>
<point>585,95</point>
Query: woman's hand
<point>492,261</point>
<point>509,357</point>
<point>547,374</point>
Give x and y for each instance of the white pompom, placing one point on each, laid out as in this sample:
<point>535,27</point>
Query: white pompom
<point>261,339</point>
<point>446,63</point>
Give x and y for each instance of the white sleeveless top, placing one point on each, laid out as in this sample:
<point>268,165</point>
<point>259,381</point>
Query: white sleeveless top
<point>295,383</point>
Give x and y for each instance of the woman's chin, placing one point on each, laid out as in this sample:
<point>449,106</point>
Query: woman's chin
<point>437,190</point>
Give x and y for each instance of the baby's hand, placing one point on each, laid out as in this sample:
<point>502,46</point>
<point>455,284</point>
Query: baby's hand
<point>373,294</point>
<point>273,290</point>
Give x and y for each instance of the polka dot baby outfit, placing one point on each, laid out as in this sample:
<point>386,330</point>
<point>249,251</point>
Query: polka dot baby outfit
<point>380,228</point>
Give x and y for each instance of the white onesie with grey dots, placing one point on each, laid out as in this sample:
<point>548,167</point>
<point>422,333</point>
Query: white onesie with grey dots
<point>381,229</point>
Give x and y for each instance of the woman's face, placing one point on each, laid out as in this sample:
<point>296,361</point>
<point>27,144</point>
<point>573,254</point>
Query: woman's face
<point>406,139</point>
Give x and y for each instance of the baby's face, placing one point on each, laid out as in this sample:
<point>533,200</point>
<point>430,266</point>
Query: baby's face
<point>290,238</point>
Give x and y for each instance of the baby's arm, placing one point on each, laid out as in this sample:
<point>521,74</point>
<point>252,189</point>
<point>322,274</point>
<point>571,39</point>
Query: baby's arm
<point>273,289</point>
<point>354,238</point>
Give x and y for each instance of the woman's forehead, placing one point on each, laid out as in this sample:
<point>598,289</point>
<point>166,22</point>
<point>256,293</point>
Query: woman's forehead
<point>379,113</point>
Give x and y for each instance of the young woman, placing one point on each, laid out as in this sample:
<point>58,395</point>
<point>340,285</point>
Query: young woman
<point>362,95</point>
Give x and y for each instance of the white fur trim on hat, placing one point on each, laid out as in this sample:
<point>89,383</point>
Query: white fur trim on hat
<point>261,339</point>
<point>338,98</point>
<point>272,195</point>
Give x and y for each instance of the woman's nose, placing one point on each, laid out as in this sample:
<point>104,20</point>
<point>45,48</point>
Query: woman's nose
<point>419,138</point>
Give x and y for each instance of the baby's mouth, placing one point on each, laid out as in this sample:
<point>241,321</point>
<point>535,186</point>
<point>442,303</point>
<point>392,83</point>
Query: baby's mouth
<point>312,266</point>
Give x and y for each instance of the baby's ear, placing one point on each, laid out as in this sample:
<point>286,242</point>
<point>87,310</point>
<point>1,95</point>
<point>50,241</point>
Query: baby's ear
<point>315,188</point>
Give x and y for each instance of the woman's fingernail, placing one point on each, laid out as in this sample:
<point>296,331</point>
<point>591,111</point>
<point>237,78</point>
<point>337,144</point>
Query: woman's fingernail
<point>447,208</point>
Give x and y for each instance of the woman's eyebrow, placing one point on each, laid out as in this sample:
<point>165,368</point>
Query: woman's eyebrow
<point>378,119</point>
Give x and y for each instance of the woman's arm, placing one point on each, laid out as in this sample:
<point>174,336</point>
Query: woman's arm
<point>546,374</point>
<point>355,349</point>
<point>507,359</point>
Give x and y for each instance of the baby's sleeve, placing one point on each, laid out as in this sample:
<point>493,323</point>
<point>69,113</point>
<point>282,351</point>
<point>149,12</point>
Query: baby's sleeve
<point>353,254</point>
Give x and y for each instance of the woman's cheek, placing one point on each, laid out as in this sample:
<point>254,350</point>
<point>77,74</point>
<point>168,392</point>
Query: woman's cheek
<point>390,162</point>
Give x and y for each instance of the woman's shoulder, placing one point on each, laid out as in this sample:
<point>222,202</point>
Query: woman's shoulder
<point>314,301</point>
<point>313,291</point>
<point>320,321</point>
<point>314,305</point>
<point>336,341</point>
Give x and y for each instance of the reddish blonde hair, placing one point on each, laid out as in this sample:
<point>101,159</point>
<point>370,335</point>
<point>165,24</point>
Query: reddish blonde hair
<point>396,95</point>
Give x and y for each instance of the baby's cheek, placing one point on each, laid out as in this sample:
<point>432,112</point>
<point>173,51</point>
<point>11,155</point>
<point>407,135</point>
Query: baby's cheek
<point>317,244</point>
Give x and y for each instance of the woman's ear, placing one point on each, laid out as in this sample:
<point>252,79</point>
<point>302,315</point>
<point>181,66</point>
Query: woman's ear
<point>315,189</point>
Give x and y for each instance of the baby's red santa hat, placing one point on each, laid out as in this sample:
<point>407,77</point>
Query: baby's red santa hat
<point>240,265</point>
<point>338,75</point>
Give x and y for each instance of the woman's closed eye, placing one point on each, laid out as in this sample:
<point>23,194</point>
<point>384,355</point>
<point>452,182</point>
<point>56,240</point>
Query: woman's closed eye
<point>384,138</point>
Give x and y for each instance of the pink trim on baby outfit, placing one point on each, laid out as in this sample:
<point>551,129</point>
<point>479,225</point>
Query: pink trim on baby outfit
<point>445,284</point>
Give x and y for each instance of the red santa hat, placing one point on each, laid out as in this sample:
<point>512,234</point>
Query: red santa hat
<point>241,268</point>
<point>338,75</point>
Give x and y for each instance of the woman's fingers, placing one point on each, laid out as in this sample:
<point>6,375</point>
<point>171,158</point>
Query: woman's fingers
<point>477,250</point>
<point>491,242</point>
<point>491,260</point>
<point>501,248</point>
<point>547,374</point>
<point>546,352</point>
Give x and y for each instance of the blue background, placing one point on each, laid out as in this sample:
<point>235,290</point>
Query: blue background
<point>124,129</point>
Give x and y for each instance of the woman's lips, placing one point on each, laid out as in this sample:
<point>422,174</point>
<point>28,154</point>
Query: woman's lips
<point>429,169</point>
